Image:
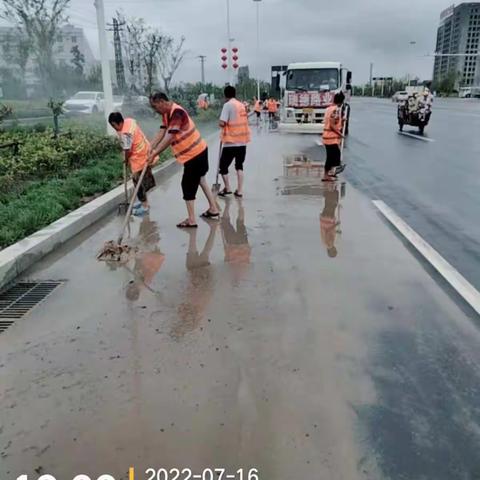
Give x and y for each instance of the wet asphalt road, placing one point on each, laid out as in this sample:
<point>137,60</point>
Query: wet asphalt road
<point>434,186</point>
<point>298,335</point>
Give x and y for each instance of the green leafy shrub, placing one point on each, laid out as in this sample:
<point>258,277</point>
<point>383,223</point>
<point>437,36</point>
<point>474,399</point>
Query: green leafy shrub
<point>40,155</point>
<point>37,203</point>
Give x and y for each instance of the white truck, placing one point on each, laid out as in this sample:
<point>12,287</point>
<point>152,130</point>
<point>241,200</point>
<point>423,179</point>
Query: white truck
<point>309,90</point>
<point>469,92</point>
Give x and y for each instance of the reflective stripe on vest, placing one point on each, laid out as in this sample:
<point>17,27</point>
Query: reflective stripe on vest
<point>140,145</point>
<point>186,145</point>
<point>333,118</point>
<point>237,130</point>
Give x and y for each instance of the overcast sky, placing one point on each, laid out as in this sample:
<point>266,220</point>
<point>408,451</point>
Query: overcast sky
<point>355,32</point>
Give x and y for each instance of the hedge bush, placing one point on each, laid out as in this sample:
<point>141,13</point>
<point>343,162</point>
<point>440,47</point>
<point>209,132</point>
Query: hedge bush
<point>40,155</point>
<point>41,202</point>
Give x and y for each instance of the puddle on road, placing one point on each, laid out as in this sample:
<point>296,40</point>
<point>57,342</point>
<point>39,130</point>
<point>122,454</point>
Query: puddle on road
<point>302,175</point>
<point>184,308</point>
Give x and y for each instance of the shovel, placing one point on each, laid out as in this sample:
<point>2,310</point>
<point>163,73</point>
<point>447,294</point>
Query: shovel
<point>111,251</point>
<point>342,165</point>
<point>216,186</point>
<point>123,206</point>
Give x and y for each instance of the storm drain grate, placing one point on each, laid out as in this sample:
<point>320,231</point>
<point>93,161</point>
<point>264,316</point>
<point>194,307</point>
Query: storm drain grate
<point>21,298</point>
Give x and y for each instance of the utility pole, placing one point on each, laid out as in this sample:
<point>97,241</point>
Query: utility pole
<point>106,77</point>
<point>371,75</point>
<point>258,47</point>
<point>202,63</point>
<point>117,43</point>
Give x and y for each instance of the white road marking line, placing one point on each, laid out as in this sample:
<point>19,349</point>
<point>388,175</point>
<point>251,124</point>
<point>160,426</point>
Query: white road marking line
<point>418,137</point>
<point>462,286</point>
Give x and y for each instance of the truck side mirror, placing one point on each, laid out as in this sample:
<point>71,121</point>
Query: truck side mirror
<point>349,78</point>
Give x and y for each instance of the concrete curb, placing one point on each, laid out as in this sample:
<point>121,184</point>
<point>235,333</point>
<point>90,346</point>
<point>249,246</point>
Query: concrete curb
<point>18,257</point>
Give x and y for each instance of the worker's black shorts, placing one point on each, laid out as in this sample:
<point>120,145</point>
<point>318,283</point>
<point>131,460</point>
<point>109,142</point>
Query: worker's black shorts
<point>258,114</point>
<point>148,183</point>
<point>333,156</point>
<point>232,153</point>
<point>193,171</point>
<point>271,114</point>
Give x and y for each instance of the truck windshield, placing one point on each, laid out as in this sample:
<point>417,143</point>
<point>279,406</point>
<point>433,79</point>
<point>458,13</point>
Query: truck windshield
<point>312,79</point>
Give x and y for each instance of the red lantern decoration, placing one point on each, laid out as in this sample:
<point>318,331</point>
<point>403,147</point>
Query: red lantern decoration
<point>235,65</point>
<point>234,49</point>
<point>224,58</point>
<point>235,58</point>
<point>224,50</point>
<point>224,66</point>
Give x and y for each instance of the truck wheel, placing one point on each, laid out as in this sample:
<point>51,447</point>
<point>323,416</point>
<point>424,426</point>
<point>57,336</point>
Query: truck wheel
<point>400,126</point>
<point>421,129</point>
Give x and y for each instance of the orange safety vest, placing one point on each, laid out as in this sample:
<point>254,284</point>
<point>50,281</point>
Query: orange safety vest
<point>188,144</point>
<point>237,130</point>
<point>272,106</point>
<point>333,119</point>
<point>258,106</point>
<point>140,145</point>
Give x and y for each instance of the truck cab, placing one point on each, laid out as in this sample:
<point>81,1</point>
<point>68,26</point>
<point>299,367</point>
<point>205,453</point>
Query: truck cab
<point>309,90</point>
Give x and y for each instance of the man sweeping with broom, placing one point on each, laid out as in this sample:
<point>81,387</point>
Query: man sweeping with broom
<point>136,148</point>
<point>190,149</point>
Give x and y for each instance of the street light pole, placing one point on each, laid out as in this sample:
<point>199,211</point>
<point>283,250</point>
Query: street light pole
<point>230,68</point>
<point>106,77</point>
<point>258,48</point>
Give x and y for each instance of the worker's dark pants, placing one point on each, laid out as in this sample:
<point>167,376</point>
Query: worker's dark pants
<point>148,183</point>
<point>333,157</point>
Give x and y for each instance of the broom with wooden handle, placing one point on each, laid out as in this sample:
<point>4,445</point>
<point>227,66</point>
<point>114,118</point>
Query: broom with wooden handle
<point>112,251</point>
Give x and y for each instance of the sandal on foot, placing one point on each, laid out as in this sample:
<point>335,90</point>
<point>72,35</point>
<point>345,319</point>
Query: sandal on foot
<point>224,193</point>
<point>238,195</point>
<point>187,224</point>
<point>209,214</point>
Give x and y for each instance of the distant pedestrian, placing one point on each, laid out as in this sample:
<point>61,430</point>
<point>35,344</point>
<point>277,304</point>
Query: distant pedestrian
<point>257,107</point>
<point>332,136</point>
<point>235,137</point>
<point>179,132</point>
<point>272,107</point>
<point>136,149</point>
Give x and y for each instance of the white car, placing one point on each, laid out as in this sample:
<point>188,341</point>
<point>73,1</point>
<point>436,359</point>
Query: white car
<point>400,96</point>
<point>85,103</point>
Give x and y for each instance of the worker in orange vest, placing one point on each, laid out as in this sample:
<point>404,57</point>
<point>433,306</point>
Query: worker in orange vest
<point>235,137</point>
<point>257,107</point>
<point>136,149</point>
<point>272,108</point>
<point>332,136</point>
<point>180,133</point>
